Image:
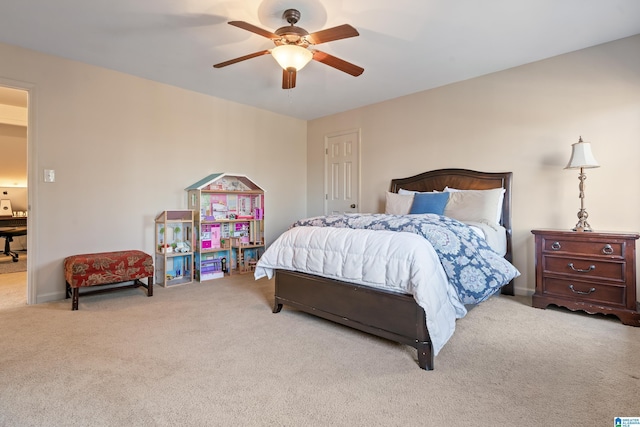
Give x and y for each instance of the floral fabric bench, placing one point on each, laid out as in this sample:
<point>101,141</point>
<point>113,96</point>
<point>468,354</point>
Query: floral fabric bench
<point>107,268</point>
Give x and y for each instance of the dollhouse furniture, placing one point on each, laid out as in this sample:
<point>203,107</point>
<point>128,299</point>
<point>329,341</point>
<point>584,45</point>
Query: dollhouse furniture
<point>174,248</point>
<point>229,224</point>
<point>107,268</point>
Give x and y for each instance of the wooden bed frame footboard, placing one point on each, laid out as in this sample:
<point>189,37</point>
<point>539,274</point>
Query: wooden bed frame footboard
<point>389,315</point>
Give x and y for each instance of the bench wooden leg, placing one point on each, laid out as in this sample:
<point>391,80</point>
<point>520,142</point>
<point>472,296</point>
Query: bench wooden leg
<point>74,299</point>
<point>150,286</point>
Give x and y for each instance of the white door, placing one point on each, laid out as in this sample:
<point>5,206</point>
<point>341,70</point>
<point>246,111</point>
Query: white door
<point>342,172</point>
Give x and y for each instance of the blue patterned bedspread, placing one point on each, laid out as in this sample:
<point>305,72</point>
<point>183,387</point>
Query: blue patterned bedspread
<point>474,269</point>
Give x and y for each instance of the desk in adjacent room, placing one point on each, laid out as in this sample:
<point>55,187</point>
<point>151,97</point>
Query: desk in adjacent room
<point>12,221</point>
<point>10,227</point>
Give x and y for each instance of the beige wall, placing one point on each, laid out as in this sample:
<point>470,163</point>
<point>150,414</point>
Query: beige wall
<point>522,120</point>
<point>124,149</point>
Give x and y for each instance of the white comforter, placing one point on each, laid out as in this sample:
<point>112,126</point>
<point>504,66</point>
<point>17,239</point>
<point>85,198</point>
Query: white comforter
<point>396,261</point>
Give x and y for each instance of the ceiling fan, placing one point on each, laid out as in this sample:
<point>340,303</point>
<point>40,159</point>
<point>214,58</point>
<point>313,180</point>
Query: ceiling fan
<point>292,47</point>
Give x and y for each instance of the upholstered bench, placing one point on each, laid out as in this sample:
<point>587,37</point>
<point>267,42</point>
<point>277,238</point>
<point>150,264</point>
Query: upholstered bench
<point>107,268</point>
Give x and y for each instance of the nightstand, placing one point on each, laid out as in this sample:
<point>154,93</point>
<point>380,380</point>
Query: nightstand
<point>590,271</point>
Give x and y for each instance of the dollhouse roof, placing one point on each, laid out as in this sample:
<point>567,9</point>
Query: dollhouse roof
<point>205,182</point>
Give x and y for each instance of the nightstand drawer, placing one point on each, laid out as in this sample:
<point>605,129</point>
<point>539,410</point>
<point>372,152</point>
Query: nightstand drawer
<point>581,247</point>
<point>593,292</point>
<point>587,269</point>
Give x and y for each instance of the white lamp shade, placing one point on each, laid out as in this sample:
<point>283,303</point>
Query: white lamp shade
<point>581,156</point>
<point>291,56</point>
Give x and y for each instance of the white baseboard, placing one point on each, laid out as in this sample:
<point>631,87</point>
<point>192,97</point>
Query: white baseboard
<point>50,297</point>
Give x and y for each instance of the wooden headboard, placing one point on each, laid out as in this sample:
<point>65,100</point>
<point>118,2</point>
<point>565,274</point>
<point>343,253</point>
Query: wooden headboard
<point>465,179</point>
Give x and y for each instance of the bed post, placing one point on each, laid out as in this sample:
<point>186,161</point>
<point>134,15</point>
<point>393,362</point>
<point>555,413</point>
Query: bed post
<point>423,341</point>
<point>425,356</point>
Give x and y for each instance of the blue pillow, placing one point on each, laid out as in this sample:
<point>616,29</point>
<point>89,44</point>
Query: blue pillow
<point>424,203</point>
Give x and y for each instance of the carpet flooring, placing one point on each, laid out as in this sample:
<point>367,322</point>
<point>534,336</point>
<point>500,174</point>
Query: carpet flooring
<point>213,354</point>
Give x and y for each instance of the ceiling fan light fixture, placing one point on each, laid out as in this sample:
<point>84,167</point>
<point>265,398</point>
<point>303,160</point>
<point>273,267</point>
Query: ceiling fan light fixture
<point>291,56</point>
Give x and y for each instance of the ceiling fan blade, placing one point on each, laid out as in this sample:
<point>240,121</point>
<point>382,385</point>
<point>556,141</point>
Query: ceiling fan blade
<point>337,63</point>
<point>254,29</point>
<point>242,58</point>
<point>330,34</point>
<point>289,78</point>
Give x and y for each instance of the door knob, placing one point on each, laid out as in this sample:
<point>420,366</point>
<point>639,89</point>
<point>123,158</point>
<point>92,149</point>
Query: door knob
<point>353,206</point>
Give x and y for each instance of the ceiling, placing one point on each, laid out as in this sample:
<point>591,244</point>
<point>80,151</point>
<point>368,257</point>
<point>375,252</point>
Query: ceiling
<point>405,46</point>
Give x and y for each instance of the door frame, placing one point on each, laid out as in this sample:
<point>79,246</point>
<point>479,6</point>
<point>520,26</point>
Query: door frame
<point>326,164</point>
<point>32,183</point>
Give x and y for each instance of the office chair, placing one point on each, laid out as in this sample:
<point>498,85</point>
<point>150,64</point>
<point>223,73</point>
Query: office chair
<point>9,233</point>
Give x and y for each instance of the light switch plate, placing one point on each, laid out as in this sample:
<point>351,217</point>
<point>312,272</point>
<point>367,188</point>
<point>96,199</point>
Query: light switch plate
<point>49,175</point>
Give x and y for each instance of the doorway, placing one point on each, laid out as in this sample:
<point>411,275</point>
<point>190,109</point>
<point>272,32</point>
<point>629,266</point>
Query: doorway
<point>14,145</point>
<point>342,172</point>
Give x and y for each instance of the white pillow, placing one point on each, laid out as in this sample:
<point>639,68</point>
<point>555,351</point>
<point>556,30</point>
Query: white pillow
<point>475,205</point>
<point>398,204</point>
<point>406,192</point>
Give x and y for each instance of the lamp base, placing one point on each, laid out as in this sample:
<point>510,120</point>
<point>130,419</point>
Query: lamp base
<point>582,225</point>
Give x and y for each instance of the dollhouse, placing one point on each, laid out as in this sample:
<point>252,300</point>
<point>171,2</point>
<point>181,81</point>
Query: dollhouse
<point>229,224</point>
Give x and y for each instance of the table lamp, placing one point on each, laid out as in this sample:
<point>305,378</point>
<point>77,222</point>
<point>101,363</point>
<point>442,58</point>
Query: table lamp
<point>582,158</point>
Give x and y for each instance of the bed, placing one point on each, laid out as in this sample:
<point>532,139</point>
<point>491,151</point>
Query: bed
<point>392,315</point>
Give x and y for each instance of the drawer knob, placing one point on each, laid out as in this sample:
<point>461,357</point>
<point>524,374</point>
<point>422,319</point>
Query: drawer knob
<point>581,292</point>
<point>607,250</point>
<point>556,246</point>
<point>580,270</point>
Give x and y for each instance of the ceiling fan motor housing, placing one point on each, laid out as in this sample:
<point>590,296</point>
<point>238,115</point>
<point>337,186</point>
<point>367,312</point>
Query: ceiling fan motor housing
<point>291,34</point>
